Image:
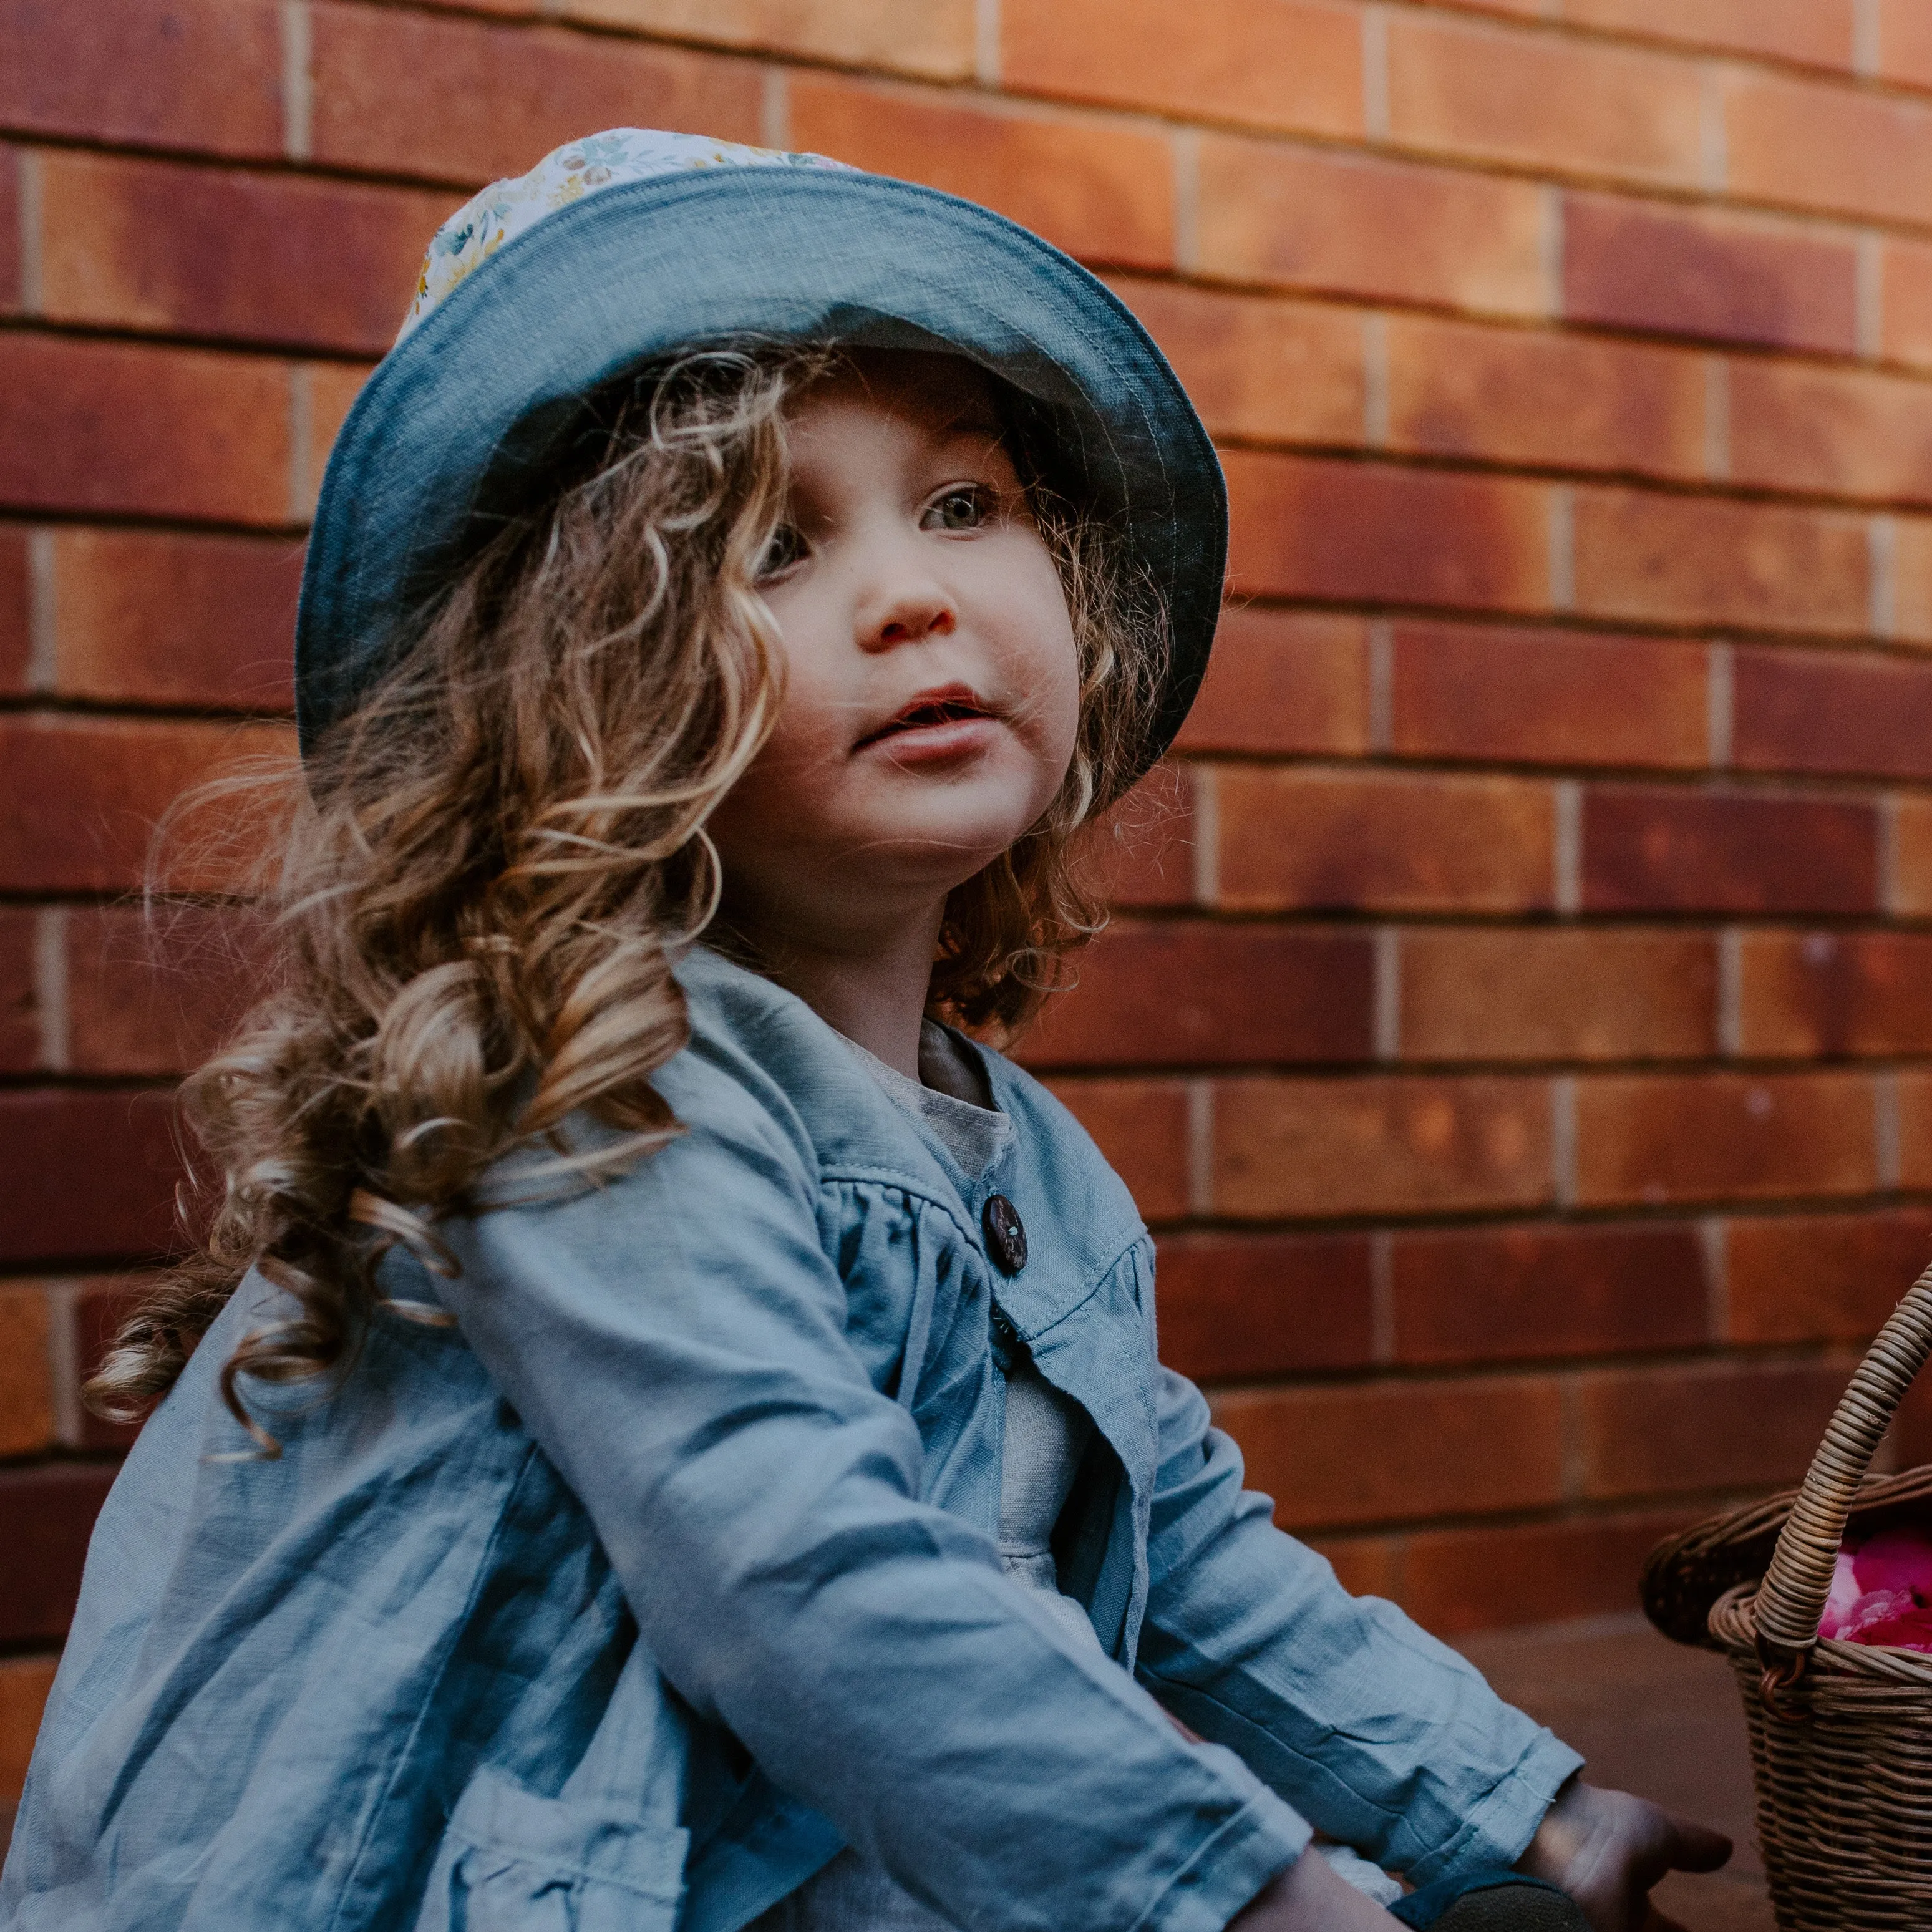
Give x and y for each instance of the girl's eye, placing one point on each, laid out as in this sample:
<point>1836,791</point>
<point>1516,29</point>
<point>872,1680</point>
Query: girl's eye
<point>786,548</point>
<point>964,507</point>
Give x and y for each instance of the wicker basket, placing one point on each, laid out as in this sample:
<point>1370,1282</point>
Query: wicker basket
<point>1840,1733</point>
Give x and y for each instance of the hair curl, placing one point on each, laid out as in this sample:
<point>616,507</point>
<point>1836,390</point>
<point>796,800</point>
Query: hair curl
<point>477,895</point>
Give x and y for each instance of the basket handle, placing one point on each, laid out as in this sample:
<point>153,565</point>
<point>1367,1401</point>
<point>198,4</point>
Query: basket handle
<point>1791,1600</point>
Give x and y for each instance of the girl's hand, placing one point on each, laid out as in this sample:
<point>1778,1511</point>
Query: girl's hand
<point>1309,1897</point>
<point>1606,1850</point>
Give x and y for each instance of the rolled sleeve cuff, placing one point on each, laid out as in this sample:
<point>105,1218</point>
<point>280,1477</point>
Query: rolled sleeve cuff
<point>1257,1843</point>
<point>1496,1830</point>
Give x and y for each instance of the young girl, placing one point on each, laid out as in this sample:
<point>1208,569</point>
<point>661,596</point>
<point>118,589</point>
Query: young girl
<point>667,1431</point>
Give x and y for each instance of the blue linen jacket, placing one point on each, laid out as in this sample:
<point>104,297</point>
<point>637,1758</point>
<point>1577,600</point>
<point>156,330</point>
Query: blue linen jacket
<point>671,1567</point>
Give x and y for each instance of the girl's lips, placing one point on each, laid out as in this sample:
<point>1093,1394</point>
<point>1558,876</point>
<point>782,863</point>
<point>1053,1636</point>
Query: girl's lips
<point>937,725</point>
<point>942,742</point>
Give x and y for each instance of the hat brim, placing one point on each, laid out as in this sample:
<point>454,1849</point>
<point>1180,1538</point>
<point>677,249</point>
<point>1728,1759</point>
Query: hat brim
<point>485,389</point>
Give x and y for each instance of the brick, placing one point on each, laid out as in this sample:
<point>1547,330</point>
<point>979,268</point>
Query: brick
<point>1364,1566</point>
<point>1234,1306</point>
<point>1913,1090</point>
<point>1910,895</point>
<point>1838,432</point>
<point>1494,95</point>
<point>1732,1425</point>
<point>26,1369</point>
<point>1258,367</point>
<point>143,617</point>
<point>1382,1145</point>
<point>50,1514</point>
<point>1351,225</point>
<point>268,258</point>
<point>80,798</point>
<point>1143,850</point>
<point>1288,65</point>
<point>1570,402</point>
<point>1346,839</point>
<point>1567,993</point>
<point>1905,43</point>
<point>1334,1457</point>
<point>1671,560</point>
<point>1283,681</point>
<point>154,994</point>
<point>1910,580</point>
<point>1821,1277</point>
<point>931,38</point>
<point>93,1174</point>
<point>1456,1580</point>
<point>1814,33</point>
<point>1195,994</point>
<point>105,426</point>
<point>1547,697</point>
<point>1513,1293</point>
<point>325,391</point>
<point>463,101</point>
<point>1302,527</point>
<point>1650,1140</point>
<point>1838,149</point>
<point>19,990</point>
<point>1141,1126</point>
<point>24,1682</point>
<point>1630,265</point>
<point>1818,995</point>
<point>1905,302</point>
<point>16,643</point>
<point>1656,847</point>
<point>1832,712</point>
<point>1103,192</point>
<point>204,75</point>
<point>102,1305</point>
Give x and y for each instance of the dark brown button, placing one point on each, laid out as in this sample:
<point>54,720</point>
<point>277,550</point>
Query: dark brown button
<point>1005,1239</point>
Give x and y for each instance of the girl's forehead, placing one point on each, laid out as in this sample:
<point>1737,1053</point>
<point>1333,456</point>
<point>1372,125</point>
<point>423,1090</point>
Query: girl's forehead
<point>936,394</point>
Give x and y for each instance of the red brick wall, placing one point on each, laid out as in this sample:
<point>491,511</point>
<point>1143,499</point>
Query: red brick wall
<point>1520,1037</point>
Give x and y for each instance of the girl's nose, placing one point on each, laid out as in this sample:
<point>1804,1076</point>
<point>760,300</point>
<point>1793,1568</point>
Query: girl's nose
<point>907,613</point>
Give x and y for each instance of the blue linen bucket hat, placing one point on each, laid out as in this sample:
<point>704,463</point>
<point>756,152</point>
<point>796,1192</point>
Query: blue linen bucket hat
<point>631,245</point>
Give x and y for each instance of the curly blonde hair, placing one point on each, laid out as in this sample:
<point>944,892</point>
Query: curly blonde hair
<point>479,889</point>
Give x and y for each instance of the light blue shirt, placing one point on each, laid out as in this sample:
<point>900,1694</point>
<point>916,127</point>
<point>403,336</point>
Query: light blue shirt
<point>673,1566</point>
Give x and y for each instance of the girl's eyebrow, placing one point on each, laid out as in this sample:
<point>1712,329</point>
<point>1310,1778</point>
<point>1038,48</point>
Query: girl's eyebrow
<point>974,419</point>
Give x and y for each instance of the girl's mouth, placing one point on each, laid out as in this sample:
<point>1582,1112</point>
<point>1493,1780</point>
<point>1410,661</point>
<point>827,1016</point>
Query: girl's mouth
<point>935,724</point>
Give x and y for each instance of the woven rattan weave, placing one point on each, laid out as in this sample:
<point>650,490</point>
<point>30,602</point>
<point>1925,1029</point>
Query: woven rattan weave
<point>1840,1733</point>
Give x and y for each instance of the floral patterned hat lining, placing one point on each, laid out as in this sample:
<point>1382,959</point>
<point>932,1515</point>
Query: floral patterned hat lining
<point>506,209</point>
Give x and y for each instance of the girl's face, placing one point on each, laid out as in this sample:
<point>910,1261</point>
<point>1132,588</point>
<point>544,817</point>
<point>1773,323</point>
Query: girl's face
<point>932,691</point>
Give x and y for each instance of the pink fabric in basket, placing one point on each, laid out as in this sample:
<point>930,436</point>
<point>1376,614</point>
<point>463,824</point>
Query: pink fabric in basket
<point>1882,1592</point>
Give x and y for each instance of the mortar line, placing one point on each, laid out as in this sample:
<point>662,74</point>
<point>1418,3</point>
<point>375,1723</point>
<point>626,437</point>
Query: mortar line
<point>1731,992</point>
<point>298,82</point>
<point>775,109</point>
<point>63,1361</point>
<point>1201,1147</point>
<point>50,977</point>
<point>986,43</point>
<point>1714,1238</point>
<point>1206,867</point>
<point>42,615</point>
<point>1721,704</point>
<point>28,185</point>
<point>1375,380</point>
<point>1186,200</point>
<point>1381,1296</point>
<point>1387,1021</point>
<point>1563,1139</point>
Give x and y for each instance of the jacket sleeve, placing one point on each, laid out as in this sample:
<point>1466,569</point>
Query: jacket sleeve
<point>1380,1736</point>
<point>674,1341</point>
